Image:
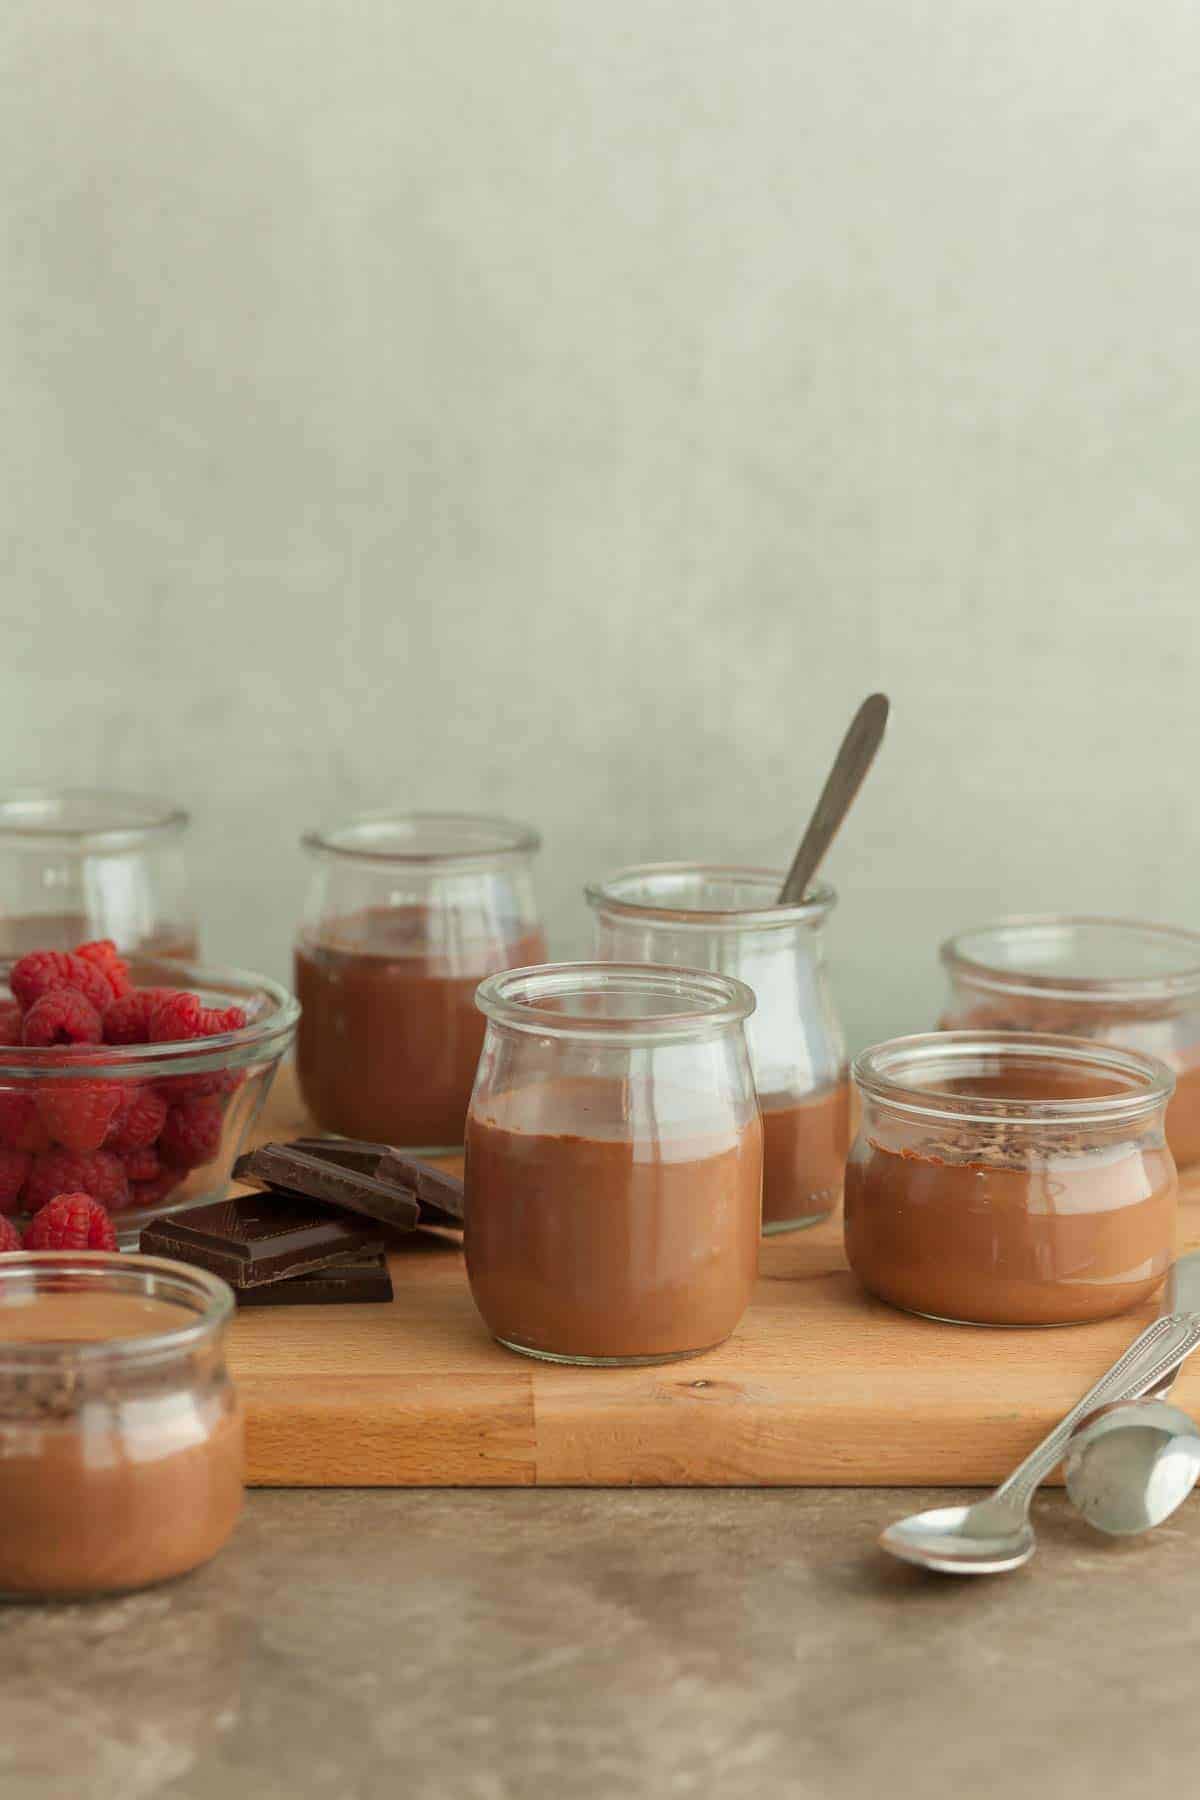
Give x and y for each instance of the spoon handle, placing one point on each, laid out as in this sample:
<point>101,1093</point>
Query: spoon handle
<point>849,769</point>
<point>1158,1351</point>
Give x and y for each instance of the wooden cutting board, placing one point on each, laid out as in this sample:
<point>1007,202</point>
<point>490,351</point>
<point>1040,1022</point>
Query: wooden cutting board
<point>819,1385</point>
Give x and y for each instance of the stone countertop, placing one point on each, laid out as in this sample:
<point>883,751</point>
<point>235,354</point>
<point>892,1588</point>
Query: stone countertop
<point>488,1645</point>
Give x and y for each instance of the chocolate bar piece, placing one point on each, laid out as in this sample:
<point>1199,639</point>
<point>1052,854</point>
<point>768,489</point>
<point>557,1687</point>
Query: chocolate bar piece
<point>440,1195</point>
<point>342,1284</point>
<point>295,1171</point>
<point>256,1238</point>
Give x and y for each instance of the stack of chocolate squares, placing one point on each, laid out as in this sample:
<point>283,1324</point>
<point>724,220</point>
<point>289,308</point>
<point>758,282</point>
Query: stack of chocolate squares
<point>313,1233</point>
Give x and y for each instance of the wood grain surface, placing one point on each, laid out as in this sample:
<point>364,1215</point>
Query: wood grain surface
<point>819,1385</point>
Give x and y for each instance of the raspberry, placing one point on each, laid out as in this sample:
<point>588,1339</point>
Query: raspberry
<point>153,1193</point>
<point>78,1114</point>
<point>10,1237</point>
<point>21,1126</point>
<point>175,1017</point>
<point>10,1022</point>
<point>71,1222</point>
<point>96,1172</point>
<point>141,1165</point>
<point>192,1133</point>
<point>103,956</point>
<point>14,1167</point>
<point>196,1087</point>
<point>215,1019</point>
<point>62,1016</point>
<point>44,970</point>
<point>138,1119</point>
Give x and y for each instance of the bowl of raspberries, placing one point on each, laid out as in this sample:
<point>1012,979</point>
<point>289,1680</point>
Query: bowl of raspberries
<point>131,1094</point>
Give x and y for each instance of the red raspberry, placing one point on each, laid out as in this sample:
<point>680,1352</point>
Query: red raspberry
<point>63,1016</point>
<point>103,956</point>
<point>78,1114</point>
<point>192,1133</point>
<point>153,1193</point>
<point>10,1237</point>
<point>175,1017</point>
<point>71,1222</point>
<point>141,1165</point>
<point>126,1021</point>
<point>10,1022</point>
<point>21,1126</point>
<point>44,970</point>
<point>14,1167</point>
<point>96,1172</point>
<point>215,1019</point>
<point>196,1087</point>
<point>138,1119</point>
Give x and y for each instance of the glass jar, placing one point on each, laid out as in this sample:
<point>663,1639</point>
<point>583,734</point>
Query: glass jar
<point>121,1436</point>
<point>705,916</point>
<point>1010,1179</point>
<point>614,1162</point>
<point>405,914</point>
<point>84,863</point>
<point>1116,980</point>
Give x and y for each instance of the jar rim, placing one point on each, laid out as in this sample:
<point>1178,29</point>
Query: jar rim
<point>520,999</point>
<point>107,1271</point>
<point>884,1073</point>
<point>428,839</point>
<point>1056,930</point>
<point>86,819</point>
<point>606,895</point>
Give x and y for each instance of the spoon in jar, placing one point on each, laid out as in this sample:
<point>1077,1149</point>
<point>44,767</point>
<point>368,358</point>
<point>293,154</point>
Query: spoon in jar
<point>850,766</point>
<point>995,1535</point>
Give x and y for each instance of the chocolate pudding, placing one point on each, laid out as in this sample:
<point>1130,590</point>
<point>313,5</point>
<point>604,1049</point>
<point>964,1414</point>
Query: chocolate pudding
<point>389,1035</point>
<point>116,1474</point>
<point>975,1221</point>
<point>612,1244</point>
<point>805,1143</point>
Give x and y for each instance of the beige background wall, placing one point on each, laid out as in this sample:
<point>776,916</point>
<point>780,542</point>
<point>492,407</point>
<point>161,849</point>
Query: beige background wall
<point>572,407</point>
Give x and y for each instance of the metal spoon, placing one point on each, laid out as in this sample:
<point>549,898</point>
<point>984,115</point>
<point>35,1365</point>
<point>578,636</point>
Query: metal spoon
<point>850,765</point>
<point>994,1535</point>
<point>1130,1465</point>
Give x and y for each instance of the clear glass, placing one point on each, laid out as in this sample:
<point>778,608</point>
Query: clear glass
<point>84,863</point>
<point>614,1162</point>
<point>224,1080</point>
<point>1118,981</point>
<point>121,1436</point>
<point>405,914</point>
<point>709,917</point>
<point>1007,1178</point>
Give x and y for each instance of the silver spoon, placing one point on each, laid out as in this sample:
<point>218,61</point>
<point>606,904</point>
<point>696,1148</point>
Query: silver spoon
<point>863,738</point>
<point>994,1535</point>
<point>1131,1464</point>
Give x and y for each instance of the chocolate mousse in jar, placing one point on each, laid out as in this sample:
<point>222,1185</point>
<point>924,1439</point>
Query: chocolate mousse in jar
<point>708,916</point>
<point>406,913</point>
<point>1010,1178</point>
<point>614,1162</point>
<point>1118,981</point>
<point>121,1435</point>
<point>78,864</point>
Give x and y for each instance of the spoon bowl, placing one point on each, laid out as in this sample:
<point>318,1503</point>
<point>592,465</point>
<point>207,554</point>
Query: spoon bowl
<point>989,1538</point>
<point>1130,1464</point>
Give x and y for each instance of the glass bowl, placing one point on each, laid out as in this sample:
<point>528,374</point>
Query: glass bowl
<point>222,1081</point>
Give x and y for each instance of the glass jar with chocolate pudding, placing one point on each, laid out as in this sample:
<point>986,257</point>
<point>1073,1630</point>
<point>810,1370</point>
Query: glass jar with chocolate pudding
<point>83,863</point>
<point>406,913</point>
<point>121,1436</point>
<point>706,916</point>
<point>614,1162</point>
<point>1009,1178</point>
<point>1115,980</point>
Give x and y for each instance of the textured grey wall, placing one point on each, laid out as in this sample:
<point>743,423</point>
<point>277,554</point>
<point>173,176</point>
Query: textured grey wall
<point>572,409</point>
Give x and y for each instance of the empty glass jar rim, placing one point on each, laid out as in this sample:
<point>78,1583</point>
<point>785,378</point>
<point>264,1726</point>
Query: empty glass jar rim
<point>86,819</point>
<point>645,1001</point>
<point>904,1074</point>
<point>109,1272</point>
<point>426,838</point>
<point>656,891</point>
<point>1173,952</point>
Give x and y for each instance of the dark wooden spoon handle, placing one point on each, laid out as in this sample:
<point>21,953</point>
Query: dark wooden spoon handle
<point>837,796</point>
